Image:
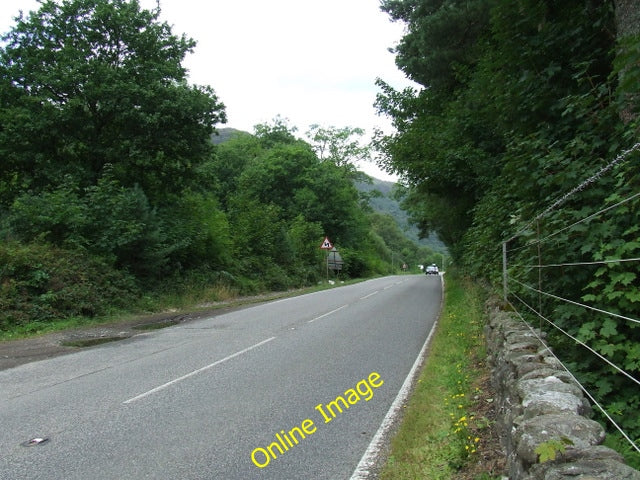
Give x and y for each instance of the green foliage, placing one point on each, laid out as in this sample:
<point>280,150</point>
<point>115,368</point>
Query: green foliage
<point>52,216</point>
<point>101,137</point>
<point>199,232</point>
<point>107,153</point>
<point>428,52</point>
<point>230,159</point>
<point>340,146</point>
<point>40,283</point>
<point>615,441</point>
<point>277,133</point>
<point>109,220</point>
<point>522,67</point>
<point>533,98</point>
<point>96,82</point>
<point>121,225</point>
<point>548,451</point>
<point>304,236</point>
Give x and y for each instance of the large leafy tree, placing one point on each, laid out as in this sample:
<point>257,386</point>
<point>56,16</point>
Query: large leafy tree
<point>441,40</point>
<point>86,83</point>
<point>287,174</point>
<point>103,142</point>
<point>442,148</point>
<point>341,146</point>
<point>502,82</point>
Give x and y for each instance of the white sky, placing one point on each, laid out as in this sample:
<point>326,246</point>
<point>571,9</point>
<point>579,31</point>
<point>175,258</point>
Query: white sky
<point>310,61</point>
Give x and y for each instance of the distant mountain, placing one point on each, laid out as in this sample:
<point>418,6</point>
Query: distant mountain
<point>224,134</point>
<point>387,204</point>
<point>384,203</point>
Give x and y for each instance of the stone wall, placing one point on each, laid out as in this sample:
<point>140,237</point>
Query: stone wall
<point>540,404</point>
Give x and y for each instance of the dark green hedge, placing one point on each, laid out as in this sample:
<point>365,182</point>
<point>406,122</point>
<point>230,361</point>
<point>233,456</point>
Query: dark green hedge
<point>39,282</point>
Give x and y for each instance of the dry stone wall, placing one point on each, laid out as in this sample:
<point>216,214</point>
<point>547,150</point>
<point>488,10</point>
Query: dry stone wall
<point>540,404</point>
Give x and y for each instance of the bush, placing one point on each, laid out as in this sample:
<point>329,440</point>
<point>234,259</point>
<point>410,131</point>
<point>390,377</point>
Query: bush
<point>39,283</point>
<point>355,263</point>
<point>107,219</point>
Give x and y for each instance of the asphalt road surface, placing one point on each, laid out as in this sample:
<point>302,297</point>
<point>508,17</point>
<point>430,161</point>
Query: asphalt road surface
<point>292,389</point>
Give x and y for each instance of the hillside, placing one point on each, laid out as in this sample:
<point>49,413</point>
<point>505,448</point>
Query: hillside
<point>224,134</point>
<point>385,203</point>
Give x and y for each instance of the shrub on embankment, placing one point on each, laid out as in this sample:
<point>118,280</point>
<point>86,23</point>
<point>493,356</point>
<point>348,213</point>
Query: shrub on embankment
<point>39,283</point>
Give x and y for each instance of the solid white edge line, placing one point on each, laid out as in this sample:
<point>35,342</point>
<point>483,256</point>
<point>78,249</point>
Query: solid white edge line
<point>368,460</point>
<point>195,372</point>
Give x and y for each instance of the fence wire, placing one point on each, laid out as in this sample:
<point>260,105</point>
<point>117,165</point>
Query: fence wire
<point>622,157</point>
<point>578,304</point>
<point>525,277</point>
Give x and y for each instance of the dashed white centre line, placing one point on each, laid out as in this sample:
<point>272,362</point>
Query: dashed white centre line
<point>370,295</point>
<point>328,313</point>
<point>195,372</point>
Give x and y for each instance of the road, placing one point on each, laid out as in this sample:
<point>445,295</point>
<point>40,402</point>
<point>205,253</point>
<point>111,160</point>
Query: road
<point>292,389</point>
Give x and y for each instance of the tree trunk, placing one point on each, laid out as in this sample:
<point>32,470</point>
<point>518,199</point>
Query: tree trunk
<point>627,17</point>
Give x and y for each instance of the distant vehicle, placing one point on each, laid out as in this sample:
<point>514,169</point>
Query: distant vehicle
<point>432,270</point>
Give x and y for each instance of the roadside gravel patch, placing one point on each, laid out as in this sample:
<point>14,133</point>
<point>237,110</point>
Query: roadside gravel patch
<point>18,352</point>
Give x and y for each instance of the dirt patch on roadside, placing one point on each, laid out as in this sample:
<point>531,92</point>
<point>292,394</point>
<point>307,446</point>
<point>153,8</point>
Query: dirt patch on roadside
<point>489,462</point>
<point>41,347</point>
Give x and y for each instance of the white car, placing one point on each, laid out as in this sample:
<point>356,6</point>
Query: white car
<point>432,270</point>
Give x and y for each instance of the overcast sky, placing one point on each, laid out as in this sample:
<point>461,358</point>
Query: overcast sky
<point>310,61</point>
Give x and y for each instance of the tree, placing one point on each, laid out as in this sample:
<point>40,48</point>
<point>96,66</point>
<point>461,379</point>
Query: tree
<point>341,146</point>
<point>85,83</point>
<point>493,85</point>
<point>278,132</point>
<point>230,159</point>
<point>280,199</point>
<point>440,45</point>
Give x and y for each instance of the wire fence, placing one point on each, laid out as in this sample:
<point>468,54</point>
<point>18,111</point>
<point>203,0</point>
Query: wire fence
<point>572,274</point>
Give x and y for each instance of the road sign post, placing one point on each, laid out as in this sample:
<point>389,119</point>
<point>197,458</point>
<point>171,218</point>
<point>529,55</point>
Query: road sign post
<point>334,260</point>
<point>327,245</point>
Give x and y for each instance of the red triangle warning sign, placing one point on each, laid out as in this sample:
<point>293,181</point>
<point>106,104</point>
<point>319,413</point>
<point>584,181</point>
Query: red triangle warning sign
<point>326,244</point>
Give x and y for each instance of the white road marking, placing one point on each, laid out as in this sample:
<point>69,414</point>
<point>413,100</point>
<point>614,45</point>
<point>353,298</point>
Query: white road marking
<point>328,313</point>
<point>370,295</point>
<point>195,372</point>
<point>368,460</point>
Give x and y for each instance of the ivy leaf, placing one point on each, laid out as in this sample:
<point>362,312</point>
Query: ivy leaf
<point>548,451</point>
<point>625,278</point>
<point>615,295</point>
<point>601,271</point>
<point>609,328</point>
<point>604,386</point>
<point>587,331</point>
<point>609,349</point>
<point>633,296</point>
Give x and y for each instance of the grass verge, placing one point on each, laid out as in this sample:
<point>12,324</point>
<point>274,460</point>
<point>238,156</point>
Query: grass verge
<point>187,300</point>
<point>446,424</point>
